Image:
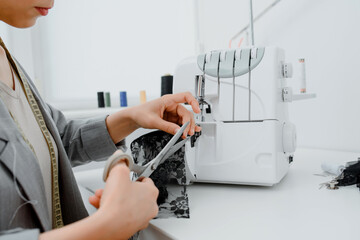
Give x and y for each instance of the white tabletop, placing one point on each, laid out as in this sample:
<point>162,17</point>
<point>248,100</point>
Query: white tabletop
<point>293,209</point>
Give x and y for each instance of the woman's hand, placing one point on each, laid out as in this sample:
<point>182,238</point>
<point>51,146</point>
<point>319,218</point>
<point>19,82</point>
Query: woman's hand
<point>165,113</point>
<point>125,207</point>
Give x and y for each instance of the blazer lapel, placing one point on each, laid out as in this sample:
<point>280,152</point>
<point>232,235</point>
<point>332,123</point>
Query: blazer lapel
<point>22,163</point>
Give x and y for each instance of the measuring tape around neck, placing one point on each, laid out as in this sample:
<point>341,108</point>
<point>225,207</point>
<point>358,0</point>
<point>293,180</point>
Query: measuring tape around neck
<point>57,220</point>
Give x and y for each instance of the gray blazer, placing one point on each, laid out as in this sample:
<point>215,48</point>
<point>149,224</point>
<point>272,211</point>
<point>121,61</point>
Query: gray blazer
<point>78,142</point>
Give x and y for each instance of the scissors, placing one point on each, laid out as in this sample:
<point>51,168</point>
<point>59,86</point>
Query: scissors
<point>145,171</point>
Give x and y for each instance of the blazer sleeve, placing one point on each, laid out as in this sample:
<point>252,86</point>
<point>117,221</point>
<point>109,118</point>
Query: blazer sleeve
<point>85,140</point>
<point>20,234</point>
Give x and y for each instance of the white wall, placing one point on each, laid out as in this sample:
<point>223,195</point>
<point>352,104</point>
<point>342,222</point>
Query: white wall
<point>327,35</point>
<point>70,46</point>
<point>19,42</point>
<point>4,31</point>
<point>110,46</point>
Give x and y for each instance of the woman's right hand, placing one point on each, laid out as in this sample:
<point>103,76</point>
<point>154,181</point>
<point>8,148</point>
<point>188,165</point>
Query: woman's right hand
<point>127,206</point>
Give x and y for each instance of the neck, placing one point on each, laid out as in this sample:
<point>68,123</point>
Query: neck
<point>6,75</point>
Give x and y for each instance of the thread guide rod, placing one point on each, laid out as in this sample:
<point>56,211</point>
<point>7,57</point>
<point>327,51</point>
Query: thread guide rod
<point>251,24</point>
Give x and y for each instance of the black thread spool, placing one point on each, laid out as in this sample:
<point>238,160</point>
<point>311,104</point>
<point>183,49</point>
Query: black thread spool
<point>101,101</point>
<point>166,84</point>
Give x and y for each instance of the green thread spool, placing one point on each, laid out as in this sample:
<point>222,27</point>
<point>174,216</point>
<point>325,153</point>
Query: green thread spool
<point>107,99</point>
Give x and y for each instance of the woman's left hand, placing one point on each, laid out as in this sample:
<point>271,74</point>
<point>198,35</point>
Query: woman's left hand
<point>166,113</point>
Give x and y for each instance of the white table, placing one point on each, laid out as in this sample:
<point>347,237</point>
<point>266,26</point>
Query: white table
<point>293,209</point>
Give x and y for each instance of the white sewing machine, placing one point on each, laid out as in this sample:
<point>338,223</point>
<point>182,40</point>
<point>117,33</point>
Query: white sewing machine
<point>246,137</point>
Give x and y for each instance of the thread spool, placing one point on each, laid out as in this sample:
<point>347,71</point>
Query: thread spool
<point>166,84</point>
<point>142,96</point>
<point>302,75</point>
<point>107,99</point>
<point>123,99</point>
<point>100,97</point>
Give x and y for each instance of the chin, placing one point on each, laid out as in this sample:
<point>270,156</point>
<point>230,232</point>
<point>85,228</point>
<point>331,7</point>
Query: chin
<point>26,23</point>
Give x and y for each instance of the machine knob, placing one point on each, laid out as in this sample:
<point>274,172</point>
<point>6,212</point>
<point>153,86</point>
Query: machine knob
<point>287,70</point>
<point>289,137</point>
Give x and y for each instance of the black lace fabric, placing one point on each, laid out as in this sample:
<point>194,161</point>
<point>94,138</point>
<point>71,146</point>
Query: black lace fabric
<point>169,177</point>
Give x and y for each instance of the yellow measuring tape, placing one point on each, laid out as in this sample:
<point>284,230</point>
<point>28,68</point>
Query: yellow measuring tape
<point>57,220</point>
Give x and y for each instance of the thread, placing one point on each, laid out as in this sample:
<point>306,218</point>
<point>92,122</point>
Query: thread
<point>302,75</point>
<point>123,99</point>
<point>101,102</point>
<point>107,99</point>
<point>166,84</point>
<point>26,201</point>
<point>240,42</point>
<point>142,96</point>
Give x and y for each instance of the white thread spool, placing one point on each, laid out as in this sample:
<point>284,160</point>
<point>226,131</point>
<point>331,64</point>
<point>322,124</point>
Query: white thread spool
<point>302,75</point>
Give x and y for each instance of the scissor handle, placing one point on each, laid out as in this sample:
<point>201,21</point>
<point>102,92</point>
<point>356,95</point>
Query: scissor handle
<point>114,159</point>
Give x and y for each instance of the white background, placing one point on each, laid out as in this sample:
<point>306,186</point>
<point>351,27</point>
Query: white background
<point>114,46</point>
<point>87,46</point>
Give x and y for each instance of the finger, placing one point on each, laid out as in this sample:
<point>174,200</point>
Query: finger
<point>145,225</point>
<point>99,192</point>
<point>155,210</point>
<point>191,127</point>
<point>147,180</point>
<point>120,173</point>
<point>192,124</point>
<point>186,116</point>
<point>185,97</point>
<point>154,189</point>
<point>197,128</point>
<point>166,126</point>
<point>174,118</point>
<point>95,201</point>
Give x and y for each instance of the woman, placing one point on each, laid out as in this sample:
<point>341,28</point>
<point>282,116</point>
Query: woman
<point>39,196</point>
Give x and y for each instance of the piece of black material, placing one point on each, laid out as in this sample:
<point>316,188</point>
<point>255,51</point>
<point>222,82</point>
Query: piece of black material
<point>172,201</point>
<point>166,85</point>
<point>350,175</point>
<point>208,109</point>
<point>193,138</point>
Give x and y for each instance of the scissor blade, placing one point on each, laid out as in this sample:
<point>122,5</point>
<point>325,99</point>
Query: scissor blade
<point>153,164</point>
<point>146,173</point>
<point>174,149</point>
<point>172,141</point>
